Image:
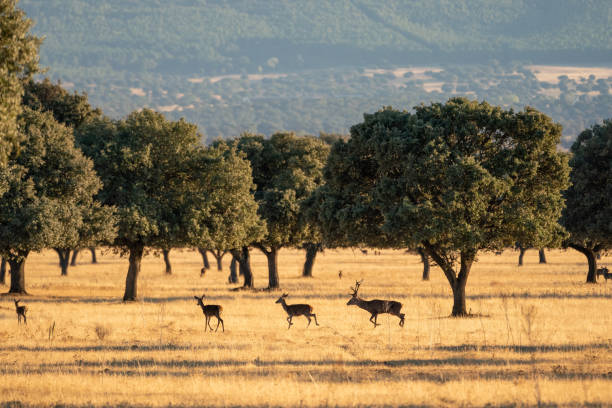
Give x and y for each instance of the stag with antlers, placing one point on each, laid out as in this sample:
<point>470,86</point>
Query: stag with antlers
<point>376,306</point>
<point>296,310</point>
<point>210,311</point>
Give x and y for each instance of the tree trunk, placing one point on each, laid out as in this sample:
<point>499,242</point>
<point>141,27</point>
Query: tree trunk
<point>166,253</point>
<point>64,259</point>
<point>591,259</point>
<point>457,282</point>
<point>273,281</point>
<point>542,256</point>
<point>521,255</point>
<point>459,308</point>
<point>3,272</point>
<point>75,253</point>
<point>233,276</point>
<point>311,255</point>
<point>202,252</point>
<point>17,270</point>
<point>131,281</point>
<point>244,261</point>
<point>425,260</point>
<point>94,260</point>
<point>218,254</point>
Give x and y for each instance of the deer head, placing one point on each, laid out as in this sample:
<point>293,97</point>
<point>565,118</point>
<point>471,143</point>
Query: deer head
<point>200,300</point>
<point>282,298</point>
<point>354,295</point>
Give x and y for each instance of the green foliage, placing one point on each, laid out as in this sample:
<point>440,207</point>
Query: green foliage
<point>286,170</point>
<point>18,61</point>
<point>50,191</point>
<point>70,109</point>
<point>588,215</point>
<point>454,178</point>
<point>147,165</point>
<point>229,219</point>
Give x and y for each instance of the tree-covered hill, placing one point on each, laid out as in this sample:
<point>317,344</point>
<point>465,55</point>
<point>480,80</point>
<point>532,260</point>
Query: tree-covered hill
<point>218,36</point>
<point>318,65</point>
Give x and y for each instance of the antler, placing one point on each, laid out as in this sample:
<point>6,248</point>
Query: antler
<point>356,288</point>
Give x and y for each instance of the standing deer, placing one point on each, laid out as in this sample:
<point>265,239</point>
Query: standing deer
<point>296,310</point>
<point>209,311</point>
<point>376,306</point>
<point>21,312</point>
<point>603,271</point>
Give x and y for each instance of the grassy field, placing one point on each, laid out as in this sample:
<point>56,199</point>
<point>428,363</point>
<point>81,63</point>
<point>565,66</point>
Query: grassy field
<point>540,336</point>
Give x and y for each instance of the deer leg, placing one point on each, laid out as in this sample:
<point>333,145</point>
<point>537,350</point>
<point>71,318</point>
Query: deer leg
<point>308,317</point>
<point>401,317</point>
<point>315,317</point>
<point>375,317</point>
<point>25,320</point>
<point>206,324</point>
<point>222,324</point>
<point>208,320</point>
<point>218,322</point>
<point>289,320</point>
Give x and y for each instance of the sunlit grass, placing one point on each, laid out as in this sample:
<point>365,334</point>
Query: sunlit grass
<point>539,336</point>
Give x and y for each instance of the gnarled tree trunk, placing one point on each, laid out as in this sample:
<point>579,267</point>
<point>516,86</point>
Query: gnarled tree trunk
<point>425,260</point>
<point>131,280</point>
<point>542,255</point>
<point>233,276</point>
<point>311,255</point>
<point>64,259</point>
<point>591,259</point>
<point>272,257</point>
<point>244,262</point>
<point>457,281</point>
<point>17,271</point>
<point>166,254</point>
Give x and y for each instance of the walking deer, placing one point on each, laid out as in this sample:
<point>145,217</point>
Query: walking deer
<point>210,311</point>
<point>21,312</point>
<point>376,306</point>
<point>296,310</point>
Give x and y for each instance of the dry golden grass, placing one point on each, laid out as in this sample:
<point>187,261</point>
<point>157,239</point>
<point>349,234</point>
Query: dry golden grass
<point>541,336</point>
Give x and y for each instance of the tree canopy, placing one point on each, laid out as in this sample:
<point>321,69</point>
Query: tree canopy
<point>588,213</point>
<point>455,178</point>
<point>70,109</point>
<point>18,61</point>
<point>49,201</point>
<point>150,170</point>
<point>286,170</point>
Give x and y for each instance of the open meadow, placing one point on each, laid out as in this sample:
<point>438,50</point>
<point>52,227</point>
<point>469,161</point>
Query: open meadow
<point>539,336</point>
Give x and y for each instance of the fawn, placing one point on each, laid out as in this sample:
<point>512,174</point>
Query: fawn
<point>296,310</point>
<point>209,311</point>
<point>376,306</point>
<point>21,312</point>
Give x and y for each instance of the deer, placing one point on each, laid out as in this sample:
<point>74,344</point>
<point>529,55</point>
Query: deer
<point>21,312</point>
<point>296,310</point>
<point>210,311</point>
<point>376,306</point>
<point>604,272</point>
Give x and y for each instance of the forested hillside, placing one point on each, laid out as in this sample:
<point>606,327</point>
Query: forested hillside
<point>175,56</point>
